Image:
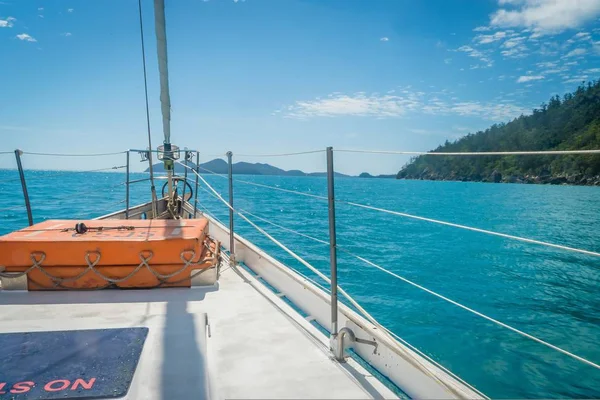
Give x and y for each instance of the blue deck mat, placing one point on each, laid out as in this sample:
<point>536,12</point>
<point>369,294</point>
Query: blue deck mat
<point>84,364</point>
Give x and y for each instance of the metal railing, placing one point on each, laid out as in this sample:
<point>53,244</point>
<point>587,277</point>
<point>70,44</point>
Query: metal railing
<point>331,203</point>
<point>18,154</point>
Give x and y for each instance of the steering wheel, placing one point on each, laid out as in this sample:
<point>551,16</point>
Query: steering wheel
<point>176,180</point>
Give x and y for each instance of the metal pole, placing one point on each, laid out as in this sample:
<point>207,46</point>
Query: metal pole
<point>185,173</point>
<point>231,237</point>
<point>196,188</point>
<point>332,244</point>
<point>127,188</point>
<point>24,186</point>
<point>151,166</point>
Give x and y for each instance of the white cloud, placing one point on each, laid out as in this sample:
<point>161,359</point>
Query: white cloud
<point>26,37</point>
<point>7,23</point>
<point>447,61</point>
<point>593,71</point>
<point>553,71</point>
<point>596,47</point>
<point>482,29</point>
<point>582,36</point>
<point>545,16</point>
<point>70,10</point>
<point>358,104</point>
<point>381,106</point>
<point>485,39</point>
<point>514,47</point>
<point>513,42</point>
<point>576,52</point>
<point>547,64</point>
<point>40,8</point>
<point>535,36</point>
<point>384,39</point>
<point>549,49</point>
<point>490,111</point>
<point>471,52</point>
<point>576,79</point>
<point>528,78</point>
<point>67,34</point>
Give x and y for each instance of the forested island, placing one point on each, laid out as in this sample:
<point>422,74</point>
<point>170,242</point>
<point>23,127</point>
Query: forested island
<point>568,123</point>
<point>219,166</point>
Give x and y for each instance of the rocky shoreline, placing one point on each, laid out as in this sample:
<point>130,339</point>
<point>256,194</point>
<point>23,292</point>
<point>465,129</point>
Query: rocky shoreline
<point>497,177</point>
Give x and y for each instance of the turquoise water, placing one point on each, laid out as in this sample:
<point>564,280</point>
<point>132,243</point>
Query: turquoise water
<point>549,293</point>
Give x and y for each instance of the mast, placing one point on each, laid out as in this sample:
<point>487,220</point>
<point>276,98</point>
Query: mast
<point>165,99</point>
<point>150,162</point>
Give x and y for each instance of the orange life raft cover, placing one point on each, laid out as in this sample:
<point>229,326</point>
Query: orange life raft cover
<point>121,246</point>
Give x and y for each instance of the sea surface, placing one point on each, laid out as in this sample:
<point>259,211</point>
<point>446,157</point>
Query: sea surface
<point>550,293</point>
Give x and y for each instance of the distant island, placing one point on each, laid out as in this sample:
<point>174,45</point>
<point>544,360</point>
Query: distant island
<point>219,166</point>
<point>570,123</point>
<point>368,175</point>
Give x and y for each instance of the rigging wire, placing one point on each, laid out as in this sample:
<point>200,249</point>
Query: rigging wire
<point>284,228</point>
<point>372,319</point>
<point>281,189</point>
<point>212,172</point>
<point>493,320</point>
<point>73,155</point>
<point>104,169</point>
<point>281,154</point>
<point>208,212</point>
<point>479,314</point>
<point>262,185</point>
<point>474,153</point>
<point>151,167</point>
<point>431,220</point>
<point>469,228</point>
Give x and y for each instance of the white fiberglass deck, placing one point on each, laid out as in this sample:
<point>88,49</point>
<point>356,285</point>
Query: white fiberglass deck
<point>259,347</point>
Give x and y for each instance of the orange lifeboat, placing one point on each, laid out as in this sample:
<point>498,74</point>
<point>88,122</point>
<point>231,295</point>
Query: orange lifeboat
<point>109,253</point>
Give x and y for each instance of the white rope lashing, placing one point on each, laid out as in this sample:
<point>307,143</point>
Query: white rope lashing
<point>187,257</point>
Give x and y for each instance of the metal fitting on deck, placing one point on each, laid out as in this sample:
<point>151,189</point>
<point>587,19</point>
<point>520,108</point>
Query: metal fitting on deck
<point>339,353</point>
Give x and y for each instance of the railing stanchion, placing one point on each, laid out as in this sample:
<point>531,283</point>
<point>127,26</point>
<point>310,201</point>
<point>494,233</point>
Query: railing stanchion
<point>24,186</point>
<point>185,174</point>
<point>196,188</point>
<point>332,246</point>
<point>231,231</point>
<point>127,188</point>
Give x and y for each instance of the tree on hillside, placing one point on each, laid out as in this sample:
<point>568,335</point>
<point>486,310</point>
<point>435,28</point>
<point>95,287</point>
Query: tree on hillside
<point>570,123</point>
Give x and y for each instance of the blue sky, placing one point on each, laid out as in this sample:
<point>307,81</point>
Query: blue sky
<point>269,76</point>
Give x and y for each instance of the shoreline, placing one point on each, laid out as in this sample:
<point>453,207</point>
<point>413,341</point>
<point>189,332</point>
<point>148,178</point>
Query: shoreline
<point>524,180</point>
